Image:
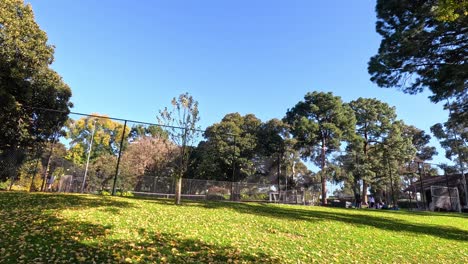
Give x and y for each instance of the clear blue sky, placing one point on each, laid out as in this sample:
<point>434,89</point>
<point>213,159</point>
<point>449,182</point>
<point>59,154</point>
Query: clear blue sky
<point>129,58</point>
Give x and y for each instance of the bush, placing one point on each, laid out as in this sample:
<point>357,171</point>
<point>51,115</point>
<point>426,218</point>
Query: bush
<point>127,194</point>
<point>4,185</point>
<point>255,196</point>
<point>217,189</point>
<point>215,197</point>
<point>105,193</point>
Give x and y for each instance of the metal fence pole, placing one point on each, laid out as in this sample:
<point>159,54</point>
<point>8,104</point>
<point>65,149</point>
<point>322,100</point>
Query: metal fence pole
<point>89,155</point>
<point>233,169</point>
<point>47,168</point>
<point>423,193</point>
<point>118,160</point>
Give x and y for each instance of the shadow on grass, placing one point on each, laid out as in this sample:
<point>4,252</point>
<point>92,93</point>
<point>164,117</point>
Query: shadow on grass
<point>346,216</point>
<point>425,213</point>
<point>30,233</point>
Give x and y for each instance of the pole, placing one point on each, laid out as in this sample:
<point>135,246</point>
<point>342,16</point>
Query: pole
<point>286,179</point>
<point>279,179</point>
<point>233,169</point>
<point>118,159</point>
<point>391,183</point>
<point>423,199</point>
<point>89,154</point>
<point>448,188</point>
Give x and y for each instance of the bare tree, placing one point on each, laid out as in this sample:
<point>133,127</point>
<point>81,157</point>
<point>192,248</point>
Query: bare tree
<point>181,122</point>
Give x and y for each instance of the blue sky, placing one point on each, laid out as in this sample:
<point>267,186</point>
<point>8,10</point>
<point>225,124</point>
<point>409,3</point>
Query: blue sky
<point>129,58</point>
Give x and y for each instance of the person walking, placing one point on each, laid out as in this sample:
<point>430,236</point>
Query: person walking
<point>371,202</point>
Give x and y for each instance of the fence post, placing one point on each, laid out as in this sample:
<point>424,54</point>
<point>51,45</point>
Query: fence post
<point>423,193</point>
<point>89,155</point>
<point>118,160</point>
<point>233,169</point>
<point>47,168</point>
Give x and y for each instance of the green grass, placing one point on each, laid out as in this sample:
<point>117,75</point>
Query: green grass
<point>54,228</point>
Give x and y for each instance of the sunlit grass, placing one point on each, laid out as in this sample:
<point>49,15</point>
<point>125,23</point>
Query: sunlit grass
<point>56,228</point>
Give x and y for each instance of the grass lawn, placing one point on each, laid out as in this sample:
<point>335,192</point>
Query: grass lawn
<point>56,228</point>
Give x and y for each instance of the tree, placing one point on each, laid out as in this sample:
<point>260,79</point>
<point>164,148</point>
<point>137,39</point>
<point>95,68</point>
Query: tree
<point>182,125</point>
<point>147,156</point>
<point>374,121</point>
<point>106,138</point>
<point>422,50</point>
<point>101,172</point>
<point>453,137</point>
<point>396,150</point>
<point>420,141</point>
<point>450,10</point>
<point>230,148</point>
<point>27,84</point>
<point>321,119</point>
<point>140,131</point>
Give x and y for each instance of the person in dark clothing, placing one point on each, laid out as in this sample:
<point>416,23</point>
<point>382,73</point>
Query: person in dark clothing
<point>358,200</point>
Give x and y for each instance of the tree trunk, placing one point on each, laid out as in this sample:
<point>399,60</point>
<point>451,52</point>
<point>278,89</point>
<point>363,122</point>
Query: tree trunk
<point>178,190</point>
<point>463,178</point>
<point>46,173</point>
<point>323,176</point>
<point>364,191</point>
<point>364,183</point>
<point>183,169</point>
<point>31,186</point>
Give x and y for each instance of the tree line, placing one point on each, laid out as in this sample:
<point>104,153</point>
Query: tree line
<point>360,143</point>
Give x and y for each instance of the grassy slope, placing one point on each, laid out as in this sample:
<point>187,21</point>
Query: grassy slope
<point>83,228</point>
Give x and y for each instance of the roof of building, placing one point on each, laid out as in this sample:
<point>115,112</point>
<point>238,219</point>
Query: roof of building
<point>452,180</point>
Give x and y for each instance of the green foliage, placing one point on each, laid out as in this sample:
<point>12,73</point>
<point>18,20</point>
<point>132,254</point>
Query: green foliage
<point>232,139</point>
<point>254,197</point>
<point>106,138</point>
<point>423,46</point>
<point>139,131</point>
<point>101,171</point>
<point>374,121</point>
<point>453,137</point>
<point>26,81</point>
<point>215,197</point>
<point>105,193</point>
<point>420,141</point>
<point>127,194</point>
<point>455,146</point>
<point>182,126</point>
<point>4,185</point>
<point>320,120</point>
<point>87,228</point>
<point>450,10</point>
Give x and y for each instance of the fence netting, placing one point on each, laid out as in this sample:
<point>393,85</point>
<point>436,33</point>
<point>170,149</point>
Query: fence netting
<point>102,155</point>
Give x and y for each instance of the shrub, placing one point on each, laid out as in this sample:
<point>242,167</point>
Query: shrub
<point>4,185</point>
<point>255,196</point>
<point>105,193</point>
<point>215,197</point>
<point>127,194</point>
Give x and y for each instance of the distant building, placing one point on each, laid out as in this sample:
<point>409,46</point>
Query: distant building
<point>424,187</point>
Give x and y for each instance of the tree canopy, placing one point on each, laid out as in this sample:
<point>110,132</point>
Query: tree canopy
<point>420,49</point>
<point>27,83</point>
<point>322,120</point>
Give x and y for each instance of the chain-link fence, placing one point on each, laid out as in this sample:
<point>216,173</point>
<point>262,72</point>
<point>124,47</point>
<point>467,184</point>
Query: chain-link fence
<point>99,154</point>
